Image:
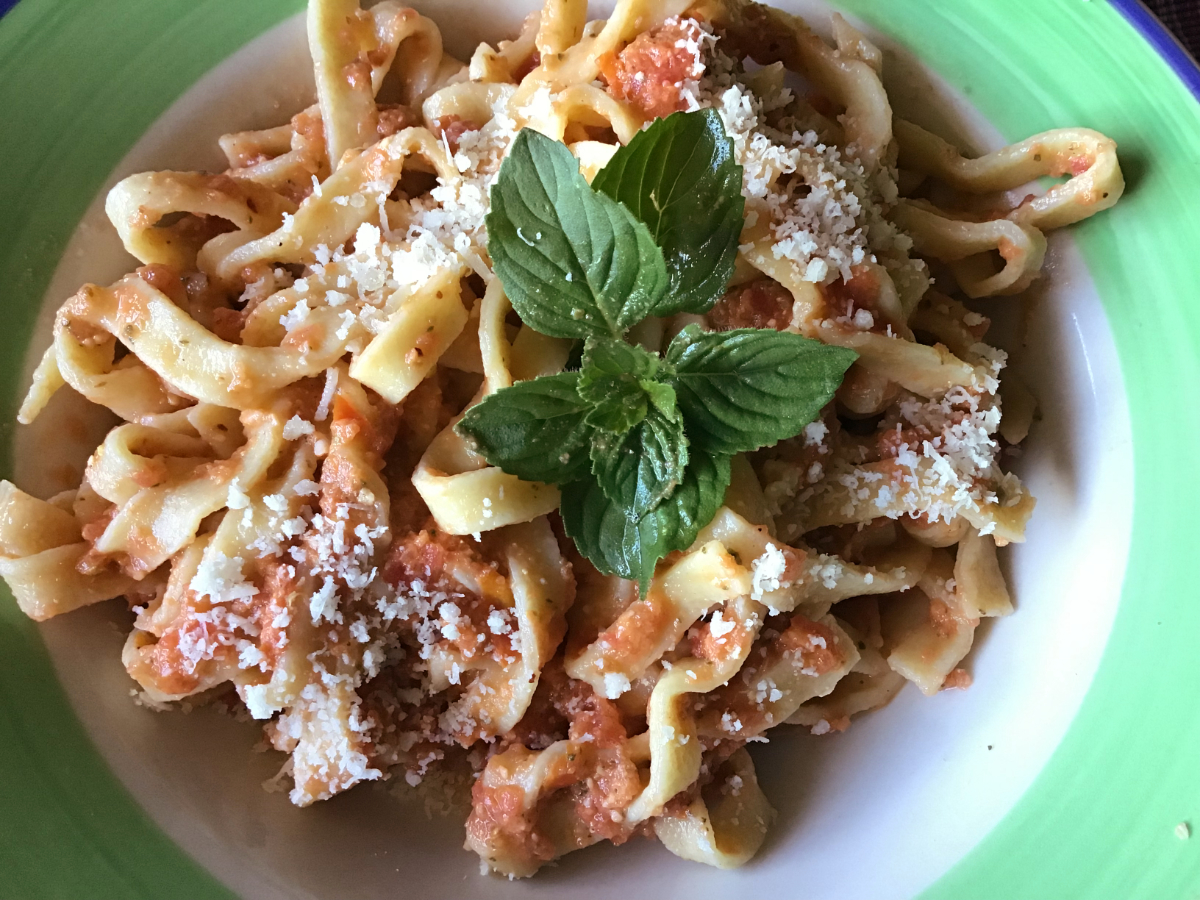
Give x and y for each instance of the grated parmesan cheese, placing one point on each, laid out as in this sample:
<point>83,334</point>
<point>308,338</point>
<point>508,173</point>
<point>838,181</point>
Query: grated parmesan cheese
<point>766,572</point>
<point>719,626</point>
<point>306,488</point>
<point>615,685</point>
<point>237,498</point>
<point>219,577</point>
<point>296,427</point>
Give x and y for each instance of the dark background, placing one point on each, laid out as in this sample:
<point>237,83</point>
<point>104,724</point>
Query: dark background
<point>1183,18</point>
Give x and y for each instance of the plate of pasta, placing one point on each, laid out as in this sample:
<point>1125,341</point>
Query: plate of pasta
<point>697,447</point>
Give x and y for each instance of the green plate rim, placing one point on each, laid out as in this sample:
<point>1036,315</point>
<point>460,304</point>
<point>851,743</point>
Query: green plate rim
<point>1099,820</point>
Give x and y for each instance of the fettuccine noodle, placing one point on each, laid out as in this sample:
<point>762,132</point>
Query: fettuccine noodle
<point>291,516</point>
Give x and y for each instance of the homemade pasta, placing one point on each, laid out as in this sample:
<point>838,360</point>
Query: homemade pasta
<point>292,514</point>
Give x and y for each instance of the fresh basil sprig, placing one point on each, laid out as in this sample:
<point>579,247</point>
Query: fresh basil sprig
<point>639,443</point>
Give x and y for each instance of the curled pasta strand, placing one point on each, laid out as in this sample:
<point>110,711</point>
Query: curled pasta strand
<point>853,44</point>
<point>412,341</point>
<point>330,753</point>
<point>134,457</point>
<point>856,693</point>
<point>911,279</point>
<point>410,47</point>
<point>542,590</point>
<point>583,105</point>
<point>810,308</point>
<point>219,427</point>
<point>806,661</point>
<point>244,148</point>
<point>978,577</point>
<point>179,621</point>
<point>40,554</point>
<point>803,583</point>
<point>46,381</point>
<point>911,490</point>
<point>937,533</point>
<point>332,217</point>
<point>283,159</point>
<point>29,525</point>
<point>128,387</point>
<point>264,327</point>
<point>189,358</point>
<point>136,205</point>
<point>353,52</point>
<point>269,690</point>
<point>138,653</point>
<point>928,371</point>
<point>726,824</point>
<point>945,319</point>
<point>560,26</point>
<point>675,751</point>
<point>158,521</point>
<point>528,779</point>
<point>468,101</point>
<point>808,305</point>
<point>680,594</point>
<point>1090,158</point>
<point>930,630</point>
<point>50,583</point>
<point>321,726</point>
<point>464,494</point>
<point>967,245</point>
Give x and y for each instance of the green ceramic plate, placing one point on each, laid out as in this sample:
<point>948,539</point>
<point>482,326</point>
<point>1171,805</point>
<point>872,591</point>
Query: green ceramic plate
<point>1087,696</point>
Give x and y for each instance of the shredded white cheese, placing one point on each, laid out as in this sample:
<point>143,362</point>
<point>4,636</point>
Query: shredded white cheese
<point>615,685</point>
<point>766,572</point>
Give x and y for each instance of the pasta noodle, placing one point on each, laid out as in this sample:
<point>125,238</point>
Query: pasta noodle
<point>292,515</point>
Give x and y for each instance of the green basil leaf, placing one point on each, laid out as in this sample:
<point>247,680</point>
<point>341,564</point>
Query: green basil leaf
<point>616,359</point>
<point>680,178</point>
<point>630,548</point>
<point>615,544</point>
<point>535,429</point>
<point>662,396</point>
<point>611,377</point>
<point>574,263</point>
<point>744,389</point>
<point>638,469</point>
<point>621,409</point>
<point>696,500</point>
